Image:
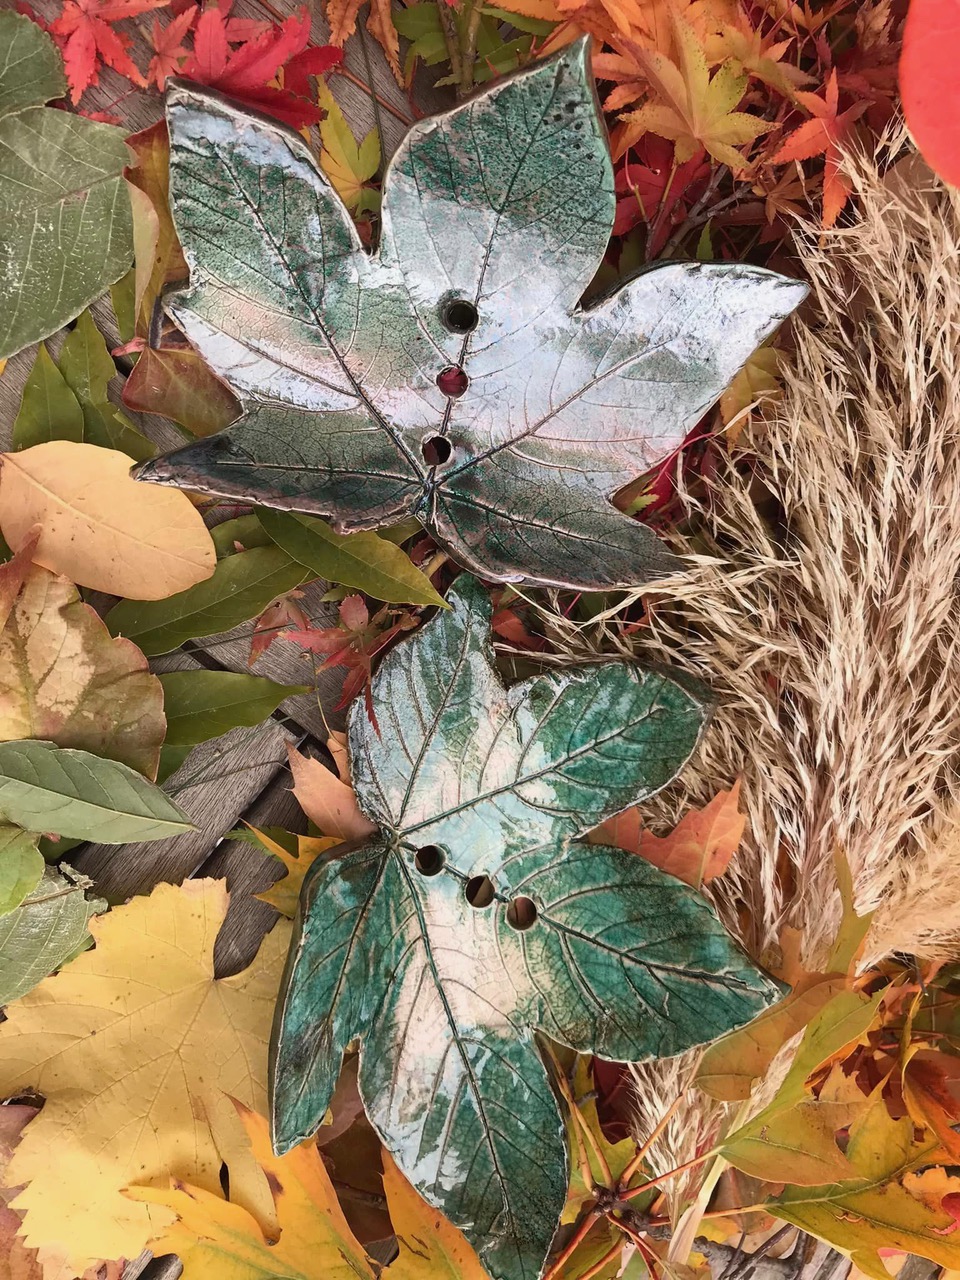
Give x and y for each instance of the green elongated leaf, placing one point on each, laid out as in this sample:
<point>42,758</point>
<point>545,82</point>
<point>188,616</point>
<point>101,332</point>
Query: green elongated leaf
<point>247,530</point>
<point>87,368</point>
<point>475,917</point>
<point>203,704</point>
<point>48,408</point>
<point>48,927</point>
<point>360,560</point>
<point>78,795</point>
<point>64,209</point>
<point>171,758</point>
<point>241,588</point>
<point>31,70</point>
<point>343,359</point>
<point>21,866</point>
<point>85,361</point>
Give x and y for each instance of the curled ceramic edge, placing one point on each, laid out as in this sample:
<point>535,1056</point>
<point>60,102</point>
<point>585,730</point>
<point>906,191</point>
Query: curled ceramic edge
<point>454,373</point>
<point>412,943</point>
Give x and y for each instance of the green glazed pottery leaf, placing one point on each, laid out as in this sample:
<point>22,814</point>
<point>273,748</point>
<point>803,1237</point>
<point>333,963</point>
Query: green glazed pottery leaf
<point>476,918</point>
<point>78,795</point>
<point>454,374</point>
<point>64,209</point>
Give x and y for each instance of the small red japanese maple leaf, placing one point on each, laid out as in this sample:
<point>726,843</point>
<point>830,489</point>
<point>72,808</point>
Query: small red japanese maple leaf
<point>282,612</point>
<point>169,53</point>
<point>354,645</point>
<point>824,135</point>
<point>246,72</point>
<point>87,40</point>
<point>656,189</point>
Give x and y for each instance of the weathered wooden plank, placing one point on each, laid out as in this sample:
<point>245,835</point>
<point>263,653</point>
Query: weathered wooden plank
<point>216,784</point>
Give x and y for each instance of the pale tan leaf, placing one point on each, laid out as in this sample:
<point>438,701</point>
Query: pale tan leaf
<point>65,679</point>
<point>326,800</point>
<point>99,527</point>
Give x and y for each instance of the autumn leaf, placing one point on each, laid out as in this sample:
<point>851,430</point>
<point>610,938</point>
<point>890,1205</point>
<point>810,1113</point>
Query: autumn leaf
<point>87,39</point>
<point>697,850</point>
<point>218,1239</point>
<point>17,1262</point>
<point>349,166</point>
<point>65,679</point>
<point>100,528</point>
<point>929,84</point>
<point>280,613</point>
<point>179,384</point>
<point>284,894</point>
<point>354,645</point>
<point>169,53</point>
<point>246,73</point>
<point>826,134</point>
<point>930,1081</point>
<point>134,1046</point>
<point>342,17</point>
<point>150,175</point>
<point>429,1245</point>
<point>326,800</point>
<point>690,106</point>
<point>757,382</point>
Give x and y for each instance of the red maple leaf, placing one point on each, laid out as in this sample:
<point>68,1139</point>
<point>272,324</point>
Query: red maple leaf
<point>87,40</point>
<point>354,645</point>
<point>245,72</point>
<point>824,135</point>
<point>656,189</point>
<point>169,53</point>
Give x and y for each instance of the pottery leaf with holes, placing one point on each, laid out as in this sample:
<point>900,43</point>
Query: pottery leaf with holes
<point>456,373</point>
<point>474,917</point>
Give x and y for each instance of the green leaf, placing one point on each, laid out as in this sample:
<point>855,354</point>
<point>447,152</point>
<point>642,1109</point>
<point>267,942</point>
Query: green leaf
<point>445,988</point>
<point>486,249</point>
<point>47,929</point>
<point>78,795</point>
<point>48,408</point>
<point>87,367</point>
<point>240,589</point>
<point>64,208</point>
<point>247,530</point>
<point>203,704</point>
<point>85,361</point>
<point>123,296</point>
<point>21,866</point>
<point>171,758</point>
<point>360,560</point>
<point>31,72</point>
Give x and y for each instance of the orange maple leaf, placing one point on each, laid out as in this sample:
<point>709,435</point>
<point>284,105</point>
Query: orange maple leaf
<point>691,107</point>
<point>697,850</point>
<point>825,135</point>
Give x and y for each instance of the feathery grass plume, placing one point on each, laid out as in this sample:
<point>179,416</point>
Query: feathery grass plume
<point>822,606</point>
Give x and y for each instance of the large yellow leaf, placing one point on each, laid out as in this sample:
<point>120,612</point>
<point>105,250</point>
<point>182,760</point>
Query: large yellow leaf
<point>219,1240</point>
<point>65,679</point>
<point>430,1246</point>
<point>99,527</point>
<point>135,1046</point>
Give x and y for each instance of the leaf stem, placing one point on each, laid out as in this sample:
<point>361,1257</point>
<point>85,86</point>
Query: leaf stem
<point>450,38</point>
<point>671,1173</point>
<point>469,48</point>
<point>347,74</point>
<point>573,1243</point>
<point>638,1159</point>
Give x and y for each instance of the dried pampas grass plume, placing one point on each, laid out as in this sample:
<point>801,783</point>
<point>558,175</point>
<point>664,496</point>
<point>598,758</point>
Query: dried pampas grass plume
<point>822,606</point>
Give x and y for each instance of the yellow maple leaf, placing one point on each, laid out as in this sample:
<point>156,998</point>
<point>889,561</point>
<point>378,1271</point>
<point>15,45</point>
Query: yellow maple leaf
<point>285,893</point>
<point>135,1046</point>
<point>347,164</point>
<point>692,108</point>
<point>218,1240</point>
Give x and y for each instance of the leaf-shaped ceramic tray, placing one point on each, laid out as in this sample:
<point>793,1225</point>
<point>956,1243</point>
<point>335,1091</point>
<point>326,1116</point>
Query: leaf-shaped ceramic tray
<point>475,919</point>
<point>453,374</point>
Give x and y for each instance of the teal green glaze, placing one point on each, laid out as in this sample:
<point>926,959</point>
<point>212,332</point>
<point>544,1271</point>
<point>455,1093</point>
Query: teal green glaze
<point>445,997</point>
<point>504,204</point>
